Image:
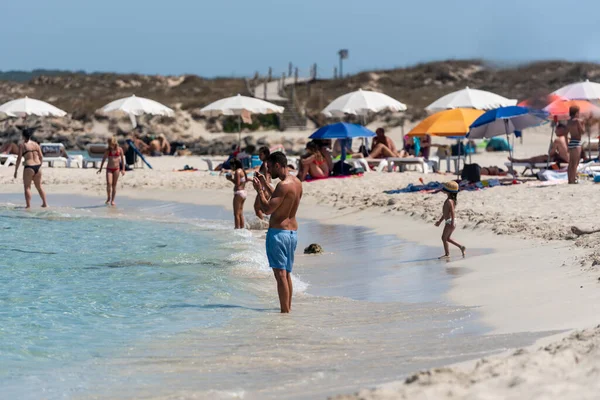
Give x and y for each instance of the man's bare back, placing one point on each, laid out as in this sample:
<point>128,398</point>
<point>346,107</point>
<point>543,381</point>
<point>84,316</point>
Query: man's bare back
<point>284,217</point>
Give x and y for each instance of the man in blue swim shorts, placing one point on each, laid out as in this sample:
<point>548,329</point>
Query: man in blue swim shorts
<point>281,204</point>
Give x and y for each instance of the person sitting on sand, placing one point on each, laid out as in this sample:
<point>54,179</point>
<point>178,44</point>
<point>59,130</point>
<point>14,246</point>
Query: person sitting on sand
<point>115,164</point>
<point>558,153</point>
<point>337,149</point>
<point>324,146</point>
<point>31,153</point>
<point>239,178</point>
<point>576,129</point>
<point>383,146</point>
<point>449,218</point>
<point>10,148</point>
<point>313,163</point>
<point>263,154</point>
<point>160,146</point>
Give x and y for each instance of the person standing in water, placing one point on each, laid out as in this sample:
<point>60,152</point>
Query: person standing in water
<point>263,154</point>
<point>238,177</point>
<point>282,237</point>
<point>576,130</point>
<point>115,164</point>
<point>32,155</point>
<point>449,219</point>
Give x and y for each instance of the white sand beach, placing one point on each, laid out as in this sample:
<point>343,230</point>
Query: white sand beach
<point>539,276</point>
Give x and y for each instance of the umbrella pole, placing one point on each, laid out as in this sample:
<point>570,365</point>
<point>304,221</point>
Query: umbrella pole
<point>510,153</point>
<point>240,132</point>
<point>343,158</point>
<point>459,142</point>
<point>550,148</point>
<point>589,144</point>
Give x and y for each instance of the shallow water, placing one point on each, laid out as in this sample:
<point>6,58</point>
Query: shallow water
<point>164,300</point>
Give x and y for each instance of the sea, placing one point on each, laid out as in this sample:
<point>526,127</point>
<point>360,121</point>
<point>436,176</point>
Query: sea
<point>163,300</point>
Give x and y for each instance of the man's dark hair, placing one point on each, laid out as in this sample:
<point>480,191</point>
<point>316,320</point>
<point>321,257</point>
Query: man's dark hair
<point>278,158</point>
<point>264,150</point>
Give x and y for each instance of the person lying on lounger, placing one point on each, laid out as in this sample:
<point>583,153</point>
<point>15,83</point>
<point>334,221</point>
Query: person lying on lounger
<point>337,150</point>
<point>559,152</point>
<point>384,147</point>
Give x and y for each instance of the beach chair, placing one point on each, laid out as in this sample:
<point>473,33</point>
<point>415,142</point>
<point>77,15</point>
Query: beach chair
<point>532,167</point>
<point>53,153</point>
<point>426,166</point>
<point>7,159</point>
<point>377,164</point>
<point>95,153</point>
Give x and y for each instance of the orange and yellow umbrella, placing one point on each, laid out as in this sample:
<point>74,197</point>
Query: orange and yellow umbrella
<point>448,123</point>
<point>560,109</point>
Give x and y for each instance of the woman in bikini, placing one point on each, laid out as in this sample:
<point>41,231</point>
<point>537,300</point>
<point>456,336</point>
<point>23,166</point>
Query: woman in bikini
<point>31,153</point>
<point>313,163</point>
<point>576,129</point>
<point>115,164</point>
<point>239,178</point>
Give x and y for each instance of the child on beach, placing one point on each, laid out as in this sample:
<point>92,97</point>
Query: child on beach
<point>115,164</point>
<point>239,178</point>
<point>448,217</point>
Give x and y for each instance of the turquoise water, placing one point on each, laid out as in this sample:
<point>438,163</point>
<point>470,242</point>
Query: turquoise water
<point>78,288</point>
<point>165,300</point>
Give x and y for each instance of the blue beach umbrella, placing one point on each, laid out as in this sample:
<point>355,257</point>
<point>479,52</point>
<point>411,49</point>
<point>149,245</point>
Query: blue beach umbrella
<point>342,131</point>
<point>504,121</point>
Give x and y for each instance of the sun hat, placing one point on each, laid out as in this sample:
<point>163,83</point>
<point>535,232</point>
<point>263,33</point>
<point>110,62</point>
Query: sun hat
<point>451,187</point>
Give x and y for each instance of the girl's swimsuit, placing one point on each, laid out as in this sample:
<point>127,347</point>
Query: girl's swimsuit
<point>112,154</point>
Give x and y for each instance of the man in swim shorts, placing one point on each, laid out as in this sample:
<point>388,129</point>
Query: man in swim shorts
<point>281,204</point>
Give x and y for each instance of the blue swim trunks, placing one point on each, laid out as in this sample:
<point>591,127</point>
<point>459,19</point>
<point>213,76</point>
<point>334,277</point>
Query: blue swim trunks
<point>281,246</point>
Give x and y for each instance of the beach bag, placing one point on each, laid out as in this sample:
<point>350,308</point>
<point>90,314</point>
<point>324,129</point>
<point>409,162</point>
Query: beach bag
<point>340,168</point>
<point>471,173</point>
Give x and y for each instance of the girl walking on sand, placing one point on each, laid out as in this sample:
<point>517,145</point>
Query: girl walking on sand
<point>115,164</point>
<point>448,217</point>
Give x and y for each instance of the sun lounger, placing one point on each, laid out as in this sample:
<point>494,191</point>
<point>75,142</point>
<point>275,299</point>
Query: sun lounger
<point>401,162</point>
<point>7,159</point>
<point>533,167</point>
<point>95,153</point>
<point>55,152</point>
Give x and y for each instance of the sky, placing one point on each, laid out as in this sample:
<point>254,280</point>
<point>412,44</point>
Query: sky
<point>239,37</point>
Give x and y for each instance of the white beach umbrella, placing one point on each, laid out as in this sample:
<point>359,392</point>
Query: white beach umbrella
<point>135,106</point>
<point>237,105</point>
<point>362,102</point>
<point>580,91</point>
<point>470,98</point>
<point>240,105</point>
<point>26,106</point>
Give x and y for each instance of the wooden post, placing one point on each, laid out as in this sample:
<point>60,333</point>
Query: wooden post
<point>282,90</point>
<point>335,75</point>
<point>270,73</point>
<point>296,76</point>
<point>314,71</point>
<point>265,87</point>
<point>289,69</point>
